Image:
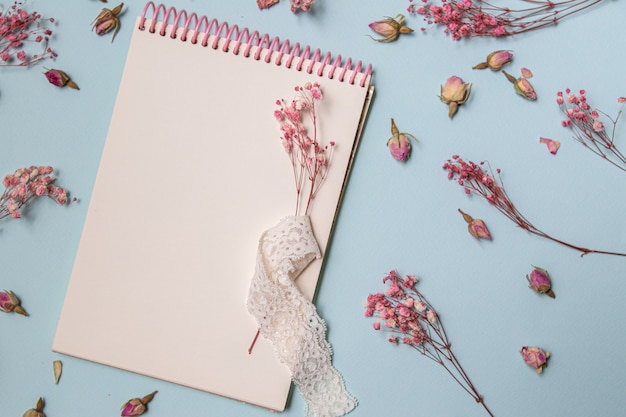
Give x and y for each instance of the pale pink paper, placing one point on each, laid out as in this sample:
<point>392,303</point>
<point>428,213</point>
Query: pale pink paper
<point>192,173</point>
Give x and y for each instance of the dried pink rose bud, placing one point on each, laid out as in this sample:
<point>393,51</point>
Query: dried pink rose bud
<point>539,281</point>
<point>9,303</point>
<point>37,411</point>
<point>107,20</point>
<point>454,93</point>
<point>399,143</point>
<point>476,227</point>
<point>522,86</point>
<point>136,406</point>
<point>535,357</point>
<point>390,28</point>
<point>60,79</point>
<point>495,60</point>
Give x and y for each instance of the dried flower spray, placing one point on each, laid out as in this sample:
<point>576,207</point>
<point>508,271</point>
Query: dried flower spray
<point>411,319</point>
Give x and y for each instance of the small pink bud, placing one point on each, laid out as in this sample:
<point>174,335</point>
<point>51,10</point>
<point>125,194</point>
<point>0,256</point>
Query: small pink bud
<point>476,227</point>
<point>136,406</point>
<point>390,28</point>
<point>454,93</point>
<point>60,79</point>
<point>266,4</point>
<point>553,145</point>
<point>495,60</point>
<point>539,281</point>
<point>9,303</point>
<point>522,86</point>
<point>399,143</point>
<point>535,357</point>
<point>107,20</point>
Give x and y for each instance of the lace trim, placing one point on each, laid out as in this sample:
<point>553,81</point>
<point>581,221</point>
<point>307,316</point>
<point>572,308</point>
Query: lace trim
<point>290,321</point>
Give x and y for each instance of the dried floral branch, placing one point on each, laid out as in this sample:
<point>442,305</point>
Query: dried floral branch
<point>412,320</point>
<point>18,29</point>
<point>588,129</point>
<point>310,161</point>
<point>479,18</point>
<point>474,179</point>
<point>25,185</point>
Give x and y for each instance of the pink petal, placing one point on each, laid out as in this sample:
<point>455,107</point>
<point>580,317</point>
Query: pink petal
<point>553,145</point>
<point>526,73</point>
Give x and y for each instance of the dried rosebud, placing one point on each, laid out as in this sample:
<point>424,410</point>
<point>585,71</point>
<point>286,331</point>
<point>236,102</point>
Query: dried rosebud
<point>136,406</point>
<point>454,93</point>
<point>399,143</point>
<point>522,86</point>
<point>60,79</point>
<point>476,227</point>
<point>107,20</point>
<point>37,411</point>
<point>553,145</point>
<point>539,281</point>
<point>390,28</point>
<point>495,60</point>
<point>9,303</point>
<point>535,357</point>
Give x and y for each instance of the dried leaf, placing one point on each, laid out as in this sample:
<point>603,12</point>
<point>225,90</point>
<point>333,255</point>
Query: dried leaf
<point>58,369</point>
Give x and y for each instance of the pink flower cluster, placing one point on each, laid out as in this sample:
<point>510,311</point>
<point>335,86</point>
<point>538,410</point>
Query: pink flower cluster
<point>304,5</point>
<point>412,321</point>
<point>407,315</point>
<point>310,160</point>
<point>17,27</point>
<point>589,129</point>
<point>471,18</point>
<point>25,185</point>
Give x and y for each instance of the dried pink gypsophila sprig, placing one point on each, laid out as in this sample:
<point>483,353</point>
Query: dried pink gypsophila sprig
<point>588,129</point>
<point>474,179</point>
<point>467,18</point>
<point>412,320</point>
<point>310,160</point>
<point>27,184</point>
<point>17,28</point>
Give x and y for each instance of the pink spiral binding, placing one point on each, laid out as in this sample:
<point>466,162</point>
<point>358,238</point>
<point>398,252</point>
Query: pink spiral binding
<point>232,34</point>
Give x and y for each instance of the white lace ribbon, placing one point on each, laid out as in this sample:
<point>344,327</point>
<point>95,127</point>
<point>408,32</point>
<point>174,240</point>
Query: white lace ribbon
<point>290,321</point>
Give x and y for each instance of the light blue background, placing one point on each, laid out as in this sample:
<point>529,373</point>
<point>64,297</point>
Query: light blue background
<point>394,215</point>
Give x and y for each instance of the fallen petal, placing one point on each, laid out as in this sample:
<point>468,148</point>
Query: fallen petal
<point>553,145</point>
<point>526,73</point>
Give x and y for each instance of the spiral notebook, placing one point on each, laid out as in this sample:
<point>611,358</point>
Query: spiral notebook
<point>192,172</point>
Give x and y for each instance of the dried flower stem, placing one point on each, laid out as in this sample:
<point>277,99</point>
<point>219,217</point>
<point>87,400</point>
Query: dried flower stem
<point>479,18</point>
<point>412,320</point>
<point>588,129</point>
<point>310,161</point>
<point>474,179</point>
